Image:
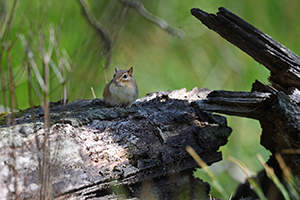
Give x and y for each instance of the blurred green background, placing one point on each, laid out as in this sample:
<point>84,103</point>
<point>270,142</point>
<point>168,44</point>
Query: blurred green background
<point>161,61</point>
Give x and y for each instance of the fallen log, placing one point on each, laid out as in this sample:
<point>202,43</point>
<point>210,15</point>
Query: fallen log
<point>100,152</point>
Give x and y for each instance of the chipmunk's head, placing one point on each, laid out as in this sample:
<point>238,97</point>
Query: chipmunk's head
<point>123,77</point>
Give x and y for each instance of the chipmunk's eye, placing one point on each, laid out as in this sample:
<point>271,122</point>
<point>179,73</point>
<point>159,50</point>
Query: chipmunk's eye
<point>125,76</point>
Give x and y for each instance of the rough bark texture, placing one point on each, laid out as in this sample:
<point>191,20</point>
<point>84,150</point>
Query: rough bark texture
<point>100,152</point>
<point>278,115</point>
<point>283,64</point>
<point>275,106</point>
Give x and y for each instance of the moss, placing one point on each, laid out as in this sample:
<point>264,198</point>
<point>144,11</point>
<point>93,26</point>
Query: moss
<point>3,117</point>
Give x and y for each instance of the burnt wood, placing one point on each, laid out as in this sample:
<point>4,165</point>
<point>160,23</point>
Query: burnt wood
<point>276,106</point>
<point>112,152</point>
<point>284,65</point>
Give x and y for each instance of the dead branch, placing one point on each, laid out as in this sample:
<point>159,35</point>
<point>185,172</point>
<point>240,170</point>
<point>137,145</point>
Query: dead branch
<point>139,7</point>
<point>284,65</point>
<point>103,32</point>
<point>275,106</point>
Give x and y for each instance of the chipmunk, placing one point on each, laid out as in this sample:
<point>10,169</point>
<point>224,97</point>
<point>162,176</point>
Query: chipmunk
<point>121,90</point>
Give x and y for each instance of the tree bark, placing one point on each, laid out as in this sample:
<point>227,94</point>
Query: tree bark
<point>284,65</point>
<point>100,152</point>
<point>276,105</point>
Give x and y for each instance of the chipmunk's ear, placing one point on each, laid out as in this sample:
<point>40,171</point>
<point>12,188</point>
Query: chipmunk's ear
<point>130,71</point>
<point>116,69</point>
